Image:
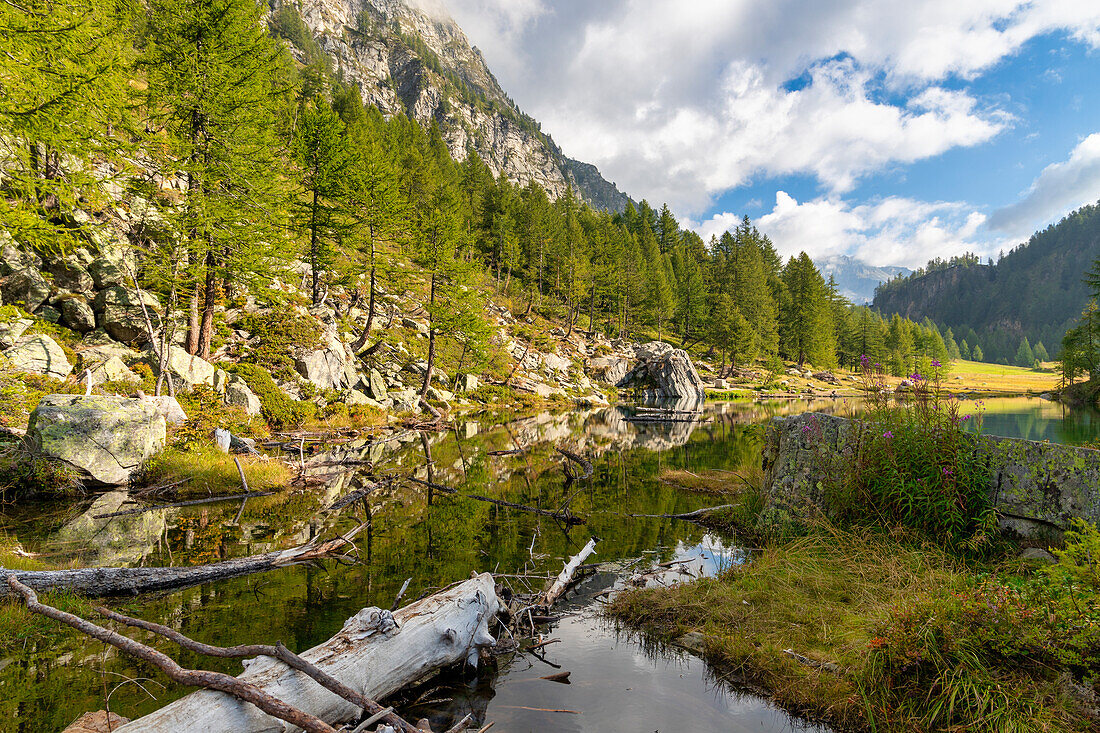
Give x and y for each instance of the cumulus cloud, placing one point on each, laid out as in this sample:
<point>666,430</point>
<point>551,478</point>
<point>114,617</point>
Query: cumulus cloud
<point>678,102</point>
<point>1059,188</point>
<point>894,230</point>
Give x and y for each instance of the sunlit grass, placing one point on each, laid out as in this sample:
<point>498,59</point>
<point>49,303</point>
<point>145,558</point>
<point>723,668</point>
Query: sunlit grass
<point>206,471</point>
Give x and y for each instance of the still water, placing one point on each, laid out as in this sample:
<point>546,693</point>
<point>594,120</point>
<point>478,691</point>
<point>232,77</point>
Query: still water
<point>618,681</point>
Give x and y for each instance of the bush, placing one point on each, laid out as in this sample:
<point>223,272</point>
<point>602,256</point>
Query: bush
<point>280,332</point>
<point>279,410</point>
<point>206,411</point>
<point>915,465</point>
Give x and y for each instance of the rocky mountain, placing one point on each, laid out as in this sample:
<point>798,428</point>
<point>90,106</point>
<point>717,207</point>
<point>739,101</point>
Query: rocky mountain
<point>1035,291</point>
<point>857,279</point>
<point>409,56</point>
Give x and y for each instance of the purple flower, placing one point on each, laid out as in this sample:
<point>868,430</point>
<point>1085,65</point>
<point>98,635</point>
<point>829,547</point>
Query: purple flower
<point>936,364</point>
<point>915,377</point>
<point>888,434</point>
<point>864,360</point>
<point>966,417</point>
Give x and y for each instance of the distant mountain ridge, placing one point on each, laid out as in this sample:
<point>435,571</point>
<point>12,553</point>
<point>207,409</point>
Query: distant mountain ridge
<point>411,57</point>
<point>856,279</point>
<point>1035,291</point>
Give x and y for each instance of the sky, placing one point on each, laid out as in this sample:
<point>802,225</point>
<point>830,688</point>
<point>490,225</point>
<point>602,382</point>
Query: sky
<point>891,131</point>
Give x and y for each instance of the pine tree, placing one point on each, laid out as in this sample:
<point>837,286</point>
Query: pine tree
<point>976,353</point>
<point>215,84</point>
<point>1040,352</point>
<point>807,330</point>
<point>1025,357</point>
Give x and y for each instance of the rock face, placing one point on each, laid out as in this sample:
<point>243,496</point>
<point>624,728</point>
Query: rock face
<point>398,77</point>
<point>328,368</point>
<point>190,370</point>
<point>663,372</point>
<point>40,355</point>
<point>105,438</point>
<point>1037,487</point>
<point>608,369</point>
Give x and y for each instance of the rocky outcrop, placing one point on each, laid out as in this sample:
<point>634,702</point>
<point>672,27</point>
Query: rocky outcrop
<point>330,368</point>
<point>185,369</point>
<point>663,372</point>
<point>105,438</point>
<point>237,393</point>
<point>609,369</point>
<point>39,355</point>
<point>26,288</point>
<point>112,370</point>
<point>1037,487</point>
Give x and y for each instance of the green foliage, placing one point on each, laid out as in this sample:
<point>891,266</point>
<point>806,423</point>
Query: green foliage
<point>1079,559</point>
<point>281,331</point>
<point>280,411</point>
<point>206,410</point>
<point>23,476</point>
<point>916,466</point>
<point>203,470</point>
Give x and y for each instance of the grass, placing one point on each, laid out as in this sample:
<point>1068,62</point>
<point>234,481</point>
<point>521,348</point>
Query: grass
<point>709,481</point>
<point>208,471</point>
<point>827,597</point>
<point>998,378</point>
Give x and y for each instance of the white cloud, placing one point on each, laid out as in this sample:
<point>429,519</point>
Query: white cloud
<point>680,101</point>
<point>1059,188</point>
<point>894,230</point>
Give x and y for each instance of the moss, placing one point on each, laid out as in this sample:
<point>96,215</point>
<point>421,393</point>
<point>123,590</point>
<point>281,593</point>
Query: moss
<point>279,410</point>
<point>207,471</point>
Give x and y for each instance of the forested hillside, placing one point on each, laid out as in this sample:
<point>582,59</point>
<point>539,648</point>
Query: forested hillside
<point>192,142</point>
<point>1030,296</point>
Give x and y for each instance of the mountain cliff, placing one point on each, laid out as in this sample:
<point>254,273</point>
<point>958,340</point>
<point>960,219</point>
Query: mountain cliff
<point>856,279</point>
<point>1035,291</point>
<point>409,56</point>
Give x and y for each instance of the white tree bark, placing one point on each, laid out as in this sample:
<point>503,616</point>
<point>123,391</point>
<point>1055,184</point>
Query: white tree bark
<point>376,653</point>
<point>565,577</point>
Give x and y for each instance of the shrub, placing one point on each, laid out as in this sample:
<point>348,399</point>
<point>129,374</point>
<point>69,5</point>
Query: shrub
<point>279,410</point>
<point>206,411</point>
<point>915,465</point>
<point>280,332</point>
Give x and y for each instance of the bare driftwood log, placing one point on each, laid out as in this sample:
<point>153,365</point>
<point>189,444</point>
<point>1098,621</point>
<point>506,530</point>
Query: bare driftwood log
<point>584,463</point>
<point>97,582</point>
<point>690,516</point>
<point>279,652</point>
<point>565,577</point>
<point>375,654</point>
<point>231,687</point>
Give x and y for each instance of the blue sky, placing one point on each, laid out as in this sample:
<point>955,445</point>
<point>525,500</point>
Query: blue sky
<point>892,131</point>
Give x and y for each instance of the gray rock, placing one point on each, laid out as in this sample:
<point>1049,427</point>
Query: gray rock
<point>106,274</point>
<point>167,407</point>
<point>355,398</point>
<point>466,383</point>
<point>48,313</point>
<point>12,330</point>
<point>442,395</point>
<point>77,315</point>
<point>557,363</point>
<point>405,401</point>
<point>26,288</point>
<point>41,355</point>
<point>663,372</point>
<point>376,385</point>
<point>1038,554</point>
<point>112,370</point>
<point>328,368</point>
<point>609,369</point>
<point>121,315</point>
<point>68,273</point>
<point>105,438</point>
<point>12,258</point>
<point>237,393</point>
<point>185,368</point>
<point>419,326</point>
<point>221,381</point>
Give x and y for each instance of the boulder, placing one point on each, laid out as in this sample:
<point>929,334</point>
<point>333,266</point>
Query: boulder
<point>663,372</point>
<point>106,274</point>
<point>121,314</point>
<point>406,400</point>
<point>557,363</point>
<point>41,355</point>
<point>70,274</point>
<point>355,398</point>
<point>328,368</point>
<point>185,368</point>
<point>12,330</point>
<point>466,383</point>
<point>221,381</point>
<point>826,377</point>
<point>77,315</point>
<point>376,385</point>
<point>26,288</point>
<point>608,369</point>
<point>13,259</point>
<point>48,313</point>
<point>112,370</point>
<point>440,395</point>
<point>105,438</point>
<point>237,393</point>
<point>167,407</point>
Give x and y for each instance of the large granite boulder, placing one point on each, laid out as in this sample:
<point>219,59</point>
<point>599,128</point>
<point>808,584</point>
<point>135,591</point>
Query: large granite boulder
<point>376,385</point>
<point>330,368</point>
<point>41,355</point>
<point>1037,488</point>
<point>112,370</point>
<point>12,258</point>
<point>12,330</point>
<point>77,315</point>
<point>608,369</point>
<point>26,288</point>
<point>237,393</point>
<point>186,370</point>
<point>663,372</point>
<point>106,274</point>
<point>69,273</point>
<point>105,438</point>
<point>121,314</point>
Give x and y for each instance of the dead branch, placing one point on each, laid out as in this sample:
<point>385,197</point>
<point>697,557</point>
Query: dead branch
<point>189,502</point>
<point>565,516</point>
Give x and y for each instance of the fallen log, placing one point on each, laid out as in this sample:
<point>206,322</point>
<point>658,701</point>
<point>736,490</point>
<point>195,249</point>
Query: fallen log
<point>375,654</point>
<point>272,707</point>
<point>99,582</point>
<point>188,502</point>
<point>565,577</point>
<point>584,463</point>
<point>690,516</point>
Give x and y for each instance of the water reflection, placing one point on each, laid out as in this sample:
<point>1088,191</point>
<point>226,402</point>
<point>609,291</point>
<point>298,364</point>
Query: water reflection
<point>434,539</point>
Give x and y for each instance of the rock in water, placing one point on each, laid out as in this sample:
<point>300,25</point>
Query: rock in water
<point>40,355</point>
<point>105,438</point>
<point>663,372</point>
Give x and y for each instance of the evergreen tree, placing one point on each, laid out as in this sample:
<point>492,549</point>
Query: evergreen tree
<point>1040,352</point>
<point>976,353</point>
<point>214,87</point>
<point>807,330</point>
<point>1025,357</point>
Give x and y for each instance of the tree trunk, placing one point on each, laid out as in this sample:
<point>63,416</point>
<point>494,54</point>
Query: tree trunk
<point>193,322</point>
<point>375,654</point>
<point>431,341</point>
<point>314,251</point>
<point>210,296</point>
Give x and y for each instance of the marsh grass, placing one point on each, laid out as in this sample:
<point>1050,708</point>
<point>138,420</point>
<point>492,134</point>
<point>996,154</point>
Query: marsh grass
<point>205,471</point>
